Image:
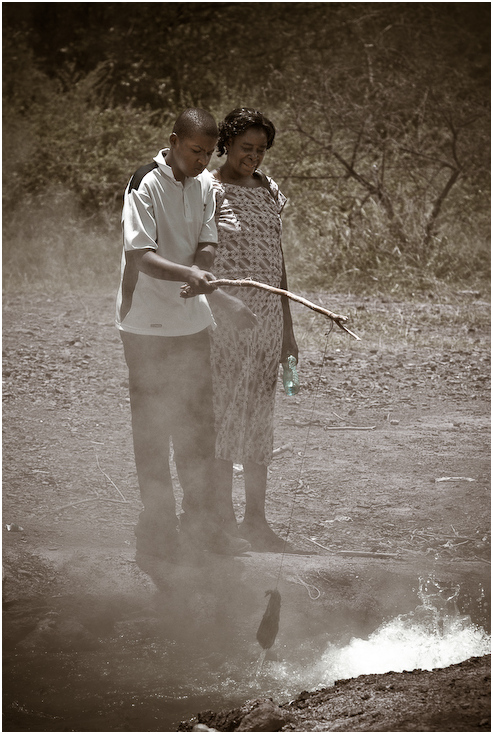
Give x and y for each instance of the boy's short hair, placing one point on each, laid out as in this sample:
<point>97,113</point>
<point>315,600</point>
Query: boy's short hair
<point>195,120</point>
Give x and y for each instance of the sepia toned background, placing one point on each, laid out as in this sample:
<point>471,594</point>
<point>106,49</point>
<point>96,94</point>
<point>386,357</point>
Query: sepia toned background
<point>382,113</point>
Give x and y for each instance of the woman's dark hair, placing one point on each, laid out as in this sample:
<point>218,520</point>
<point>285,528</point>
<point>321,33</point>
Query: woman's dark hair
<point>238,121</point>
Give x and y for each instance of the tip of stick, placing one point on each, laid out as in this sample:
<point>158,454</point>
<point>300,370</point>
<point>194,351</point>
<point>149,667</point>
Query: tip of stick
<point>340,321</point>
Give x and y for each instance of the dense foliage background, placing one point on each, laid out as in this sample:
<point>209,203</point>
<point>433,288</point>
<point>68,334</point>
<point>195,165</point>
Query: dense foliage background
<point>382,113</point>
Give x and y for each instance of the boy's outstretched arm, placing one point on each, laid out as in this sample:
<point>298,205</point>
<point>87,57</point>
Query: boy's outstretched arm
<point>223,304</point>
<point>204,257</point>
<point>155,266</point>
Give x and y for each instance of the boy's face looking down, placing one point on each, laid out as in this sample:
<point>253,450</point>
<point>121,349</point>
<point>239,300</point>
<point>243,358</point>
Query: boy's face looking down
<point>190,155</point>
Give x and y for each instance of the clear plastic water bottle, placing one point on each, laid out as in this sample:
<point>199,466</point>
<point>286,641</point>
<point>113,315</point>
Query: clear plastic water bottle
<point>290,377</point>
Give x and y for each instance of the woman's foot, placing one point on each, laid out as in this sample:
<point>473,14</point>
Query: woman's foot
<point>263,539</point>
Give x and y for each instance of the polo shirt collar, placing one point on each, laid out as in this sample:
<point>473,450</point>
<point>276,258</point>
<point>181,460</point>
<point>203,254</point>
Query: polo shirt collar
<point>167,170</point>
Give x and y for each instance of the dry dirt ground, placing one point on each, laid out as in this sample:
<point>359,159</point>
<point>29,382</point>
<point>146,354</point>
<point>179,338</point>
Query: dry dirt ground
<point>381,480</point>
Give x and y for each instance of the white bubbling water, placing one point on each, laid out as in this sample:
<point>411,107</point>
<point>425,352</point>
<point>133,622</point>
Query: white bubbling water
<point>434,635</point>
<point>406,643</point>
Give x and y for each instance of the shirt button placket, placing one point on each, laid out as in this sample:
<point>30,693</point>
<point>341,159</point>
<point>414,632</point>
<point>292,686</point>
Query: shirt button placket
<point>186,204</point>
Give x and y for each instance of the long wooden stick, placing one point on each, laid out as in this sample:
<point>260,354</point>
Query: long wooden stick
<point>247,283</point>
<point>364,554</point>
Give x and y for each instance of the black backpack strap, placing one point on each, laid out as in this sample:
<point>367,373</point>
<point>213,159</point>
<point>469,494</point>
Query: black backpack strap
<point>139,175</point>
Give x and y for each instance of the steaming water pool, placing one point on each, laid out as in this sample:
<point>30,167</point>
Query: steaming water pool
<point>141,678</point>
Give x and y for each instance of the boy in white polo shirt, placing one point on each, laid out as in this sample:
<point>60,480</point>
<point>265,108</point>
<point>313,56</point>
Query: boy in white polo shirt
<point>169,238</point>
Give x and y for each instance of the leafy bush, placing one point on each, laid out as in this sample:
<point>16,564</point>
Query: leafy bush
<point>382,119</point>
<point>54,246</point>
<point>67,160</point>
<point>70,140</point>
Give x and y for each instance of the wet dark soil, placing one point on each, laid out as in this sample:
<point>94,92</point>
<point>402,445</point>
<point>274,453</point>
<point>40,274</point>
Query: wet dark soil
<point>381,481</point>
<point>456,698</point>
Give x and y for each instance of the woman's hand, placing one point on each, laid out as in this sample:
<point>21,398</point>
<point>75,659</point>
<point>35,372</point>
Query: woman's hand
<point>289,345</point>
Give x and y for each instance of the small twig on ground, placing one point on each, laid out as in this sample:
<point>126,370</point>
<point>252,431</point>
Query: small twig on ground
<point>319,544</point>
<point>439,538</point>
<point>366,554</point>
<point>456,545</point>
<point>110,480</point>
<point>455,479</point>
<point>91,499</point>
<point>282,449</point>
<point>483,560</point>
<point>349,428</point>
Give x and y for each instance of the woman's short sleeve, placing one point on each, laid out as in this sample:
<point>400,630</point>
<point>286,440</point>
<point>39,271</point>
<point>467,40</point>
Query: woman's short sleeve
<point>277,194</point>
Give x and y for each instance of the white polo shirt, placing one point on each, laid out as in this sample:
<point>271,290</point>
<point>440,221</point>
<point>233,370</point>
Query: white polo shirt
<point>171,218</point>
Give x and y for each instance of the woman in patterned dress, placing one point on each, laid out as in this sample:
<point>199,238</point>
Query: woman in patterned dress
<point>245,363</point>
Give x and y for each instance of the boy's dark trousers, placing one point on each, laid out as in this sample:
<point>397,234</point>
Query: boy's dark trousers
<point>171,397</point>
